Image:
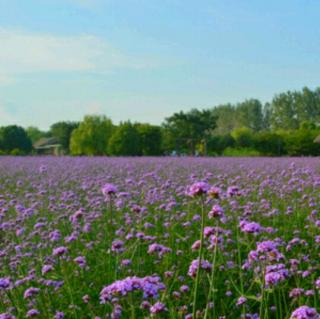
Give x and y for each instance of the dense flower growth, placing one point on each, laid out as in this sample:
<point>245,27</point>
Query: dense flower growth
<point>159,238</point>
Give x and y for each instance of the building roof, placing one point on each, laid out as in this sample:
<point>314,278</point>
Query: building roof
<point>46,142</point>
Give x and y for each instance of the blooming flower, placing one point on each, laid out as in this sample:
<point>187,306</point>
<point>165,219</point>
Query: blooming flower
<point>59,251</point>
<point>81,261</point>
<point>157,308</point>
<point>205,265</point>
<point>4,282</point>
<point>30,292</point>
<point>109,189</point>
<point>32,313</point>
<point>59,315</point>
<point>198,188</point>
<point>159,249</point>
<point>250,227</point>
<point>305,312</point>
<point>150,286</point>
<point>241,300</point>
<point>275,274</point>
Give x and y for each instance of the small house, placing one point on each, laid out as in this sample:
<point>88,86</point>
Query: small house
<point>48,146</point>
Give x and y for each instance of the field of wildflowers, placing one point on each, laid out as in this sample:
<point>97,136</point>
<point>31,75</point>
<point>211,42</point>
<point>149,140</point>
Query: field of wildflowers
<point>159,238</point>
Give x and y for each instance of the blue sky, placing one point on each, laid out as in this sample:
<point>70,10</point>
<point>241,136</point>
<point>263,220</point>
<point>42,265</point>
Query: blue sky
<point>145,59</point>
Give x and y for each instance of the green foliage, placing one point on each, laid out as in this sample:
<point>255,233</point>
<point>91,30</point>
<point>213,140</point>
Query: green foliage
<point>244,151</point>
<point>125,141</point>
<point>243,137</point>
<point>16,152</point>
<point>150,139</point>
<point>15,137</point>
<point>301,142</point>
<point>227,119</point>
<point>269,143</point>
<point>92,136</point>
<point>62,131</point>
<point>35,134</point>
<point>218,143</point>
<point>249,114</point>
<point>290,109</point>
<point>187,130</point>
<point>288,125</point>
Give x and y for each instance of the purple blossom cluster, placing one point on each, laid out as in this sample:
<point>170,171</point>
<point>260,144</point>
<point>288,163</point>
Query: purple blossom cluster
<point>159,238</point>
<point>150,286</point>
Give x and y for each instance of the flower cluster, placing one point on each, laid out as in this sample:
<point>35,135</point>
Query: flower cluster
<point>150,286</point>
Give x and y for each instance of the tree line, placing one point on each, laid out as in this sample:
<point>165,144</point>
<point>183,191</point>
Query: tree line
<point>288,125</point>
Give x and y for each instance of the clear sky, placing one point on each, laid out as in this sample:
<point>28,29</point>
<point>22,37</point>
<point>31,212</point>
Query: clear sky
<point>145,59</point>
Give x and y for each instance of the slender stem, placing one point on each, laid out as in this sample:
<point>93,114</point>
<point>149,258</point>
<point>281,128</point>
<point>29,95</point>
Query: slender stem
<point>195,294</point>
<point>211,287</point>
<point>262,295</point>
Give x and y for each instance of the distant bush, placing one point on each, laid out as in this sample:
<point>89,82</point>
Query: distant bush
<point>244,137</point>
<point>269,143</point>
<point>16,152</point>
<point>218,143</point>
<point>244,151</point>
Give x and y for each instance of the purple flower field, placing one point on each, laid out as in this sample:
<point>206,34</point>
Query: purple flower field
<point>159,238</point>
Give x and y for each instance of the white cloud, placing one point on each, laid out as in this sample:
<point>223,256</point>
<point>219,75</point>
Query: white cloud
<point>23,52</point>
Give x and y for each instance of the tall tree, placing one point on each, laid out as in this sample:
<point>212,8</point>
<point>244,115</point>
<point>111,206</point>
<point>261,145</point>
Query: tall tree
<point>150,139</point>
<point>35,134</point>
<point>62,131</point>
<point>227,119</point>
<point>190,129</point>
<point>92,136</point>
<point>15,137</point>
<point>284,112</point>
<point>307,105</point>
<point>290,109</point>
<point>125,140</point>
<point>250,114</point>
<point>243,137</point>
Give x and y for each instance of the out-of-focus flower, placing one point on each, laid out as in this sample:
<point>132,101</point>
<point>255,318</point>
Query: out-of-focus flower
<point>109,189</point>
<point>198,189</point>
<point>305,312</point>
<point>193,268</point>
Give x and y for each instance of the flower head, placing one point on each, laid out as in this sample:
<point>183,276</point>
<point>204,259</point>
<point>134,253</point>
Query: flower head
<point>109,189</point>
<point>305,312</point>
<point>198,189</point>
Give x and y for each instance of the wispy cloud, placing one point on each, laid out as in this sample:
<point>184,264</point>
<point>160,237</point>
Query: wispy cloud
<point>24,52</point>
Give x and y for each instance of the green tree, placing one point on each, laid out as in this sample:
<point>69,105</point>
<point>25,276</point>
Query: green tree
<point>62,131</point>
<point>301,142</point>
<point>15,137</point>
<point>249,114</point>
<point>150,139</point>
<point>284,112</point>
<point>290,109</point>
<point>35,134</point>
<point>218,143</point>
<point>266,111</point>
<point>125,141</point>
<point>307,105</point>
<point>269,143</point>
<point>227,119</point>
<point>92,136</point>
<point>187,130</point>
<point>243,137</point>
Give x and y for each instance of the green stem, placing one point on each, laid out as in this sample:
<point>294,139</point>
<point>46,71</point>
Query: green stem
<point>195,294</point>
<point>211,287</point>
